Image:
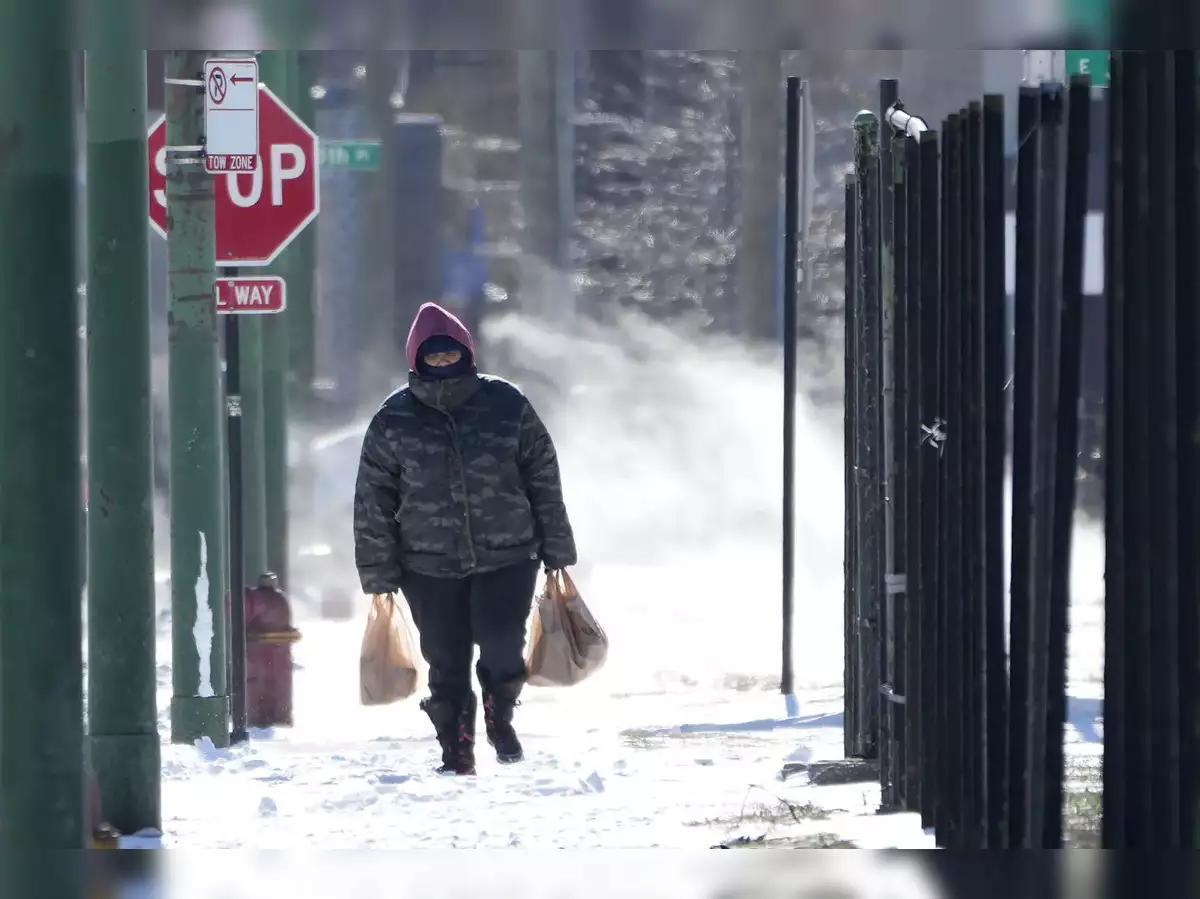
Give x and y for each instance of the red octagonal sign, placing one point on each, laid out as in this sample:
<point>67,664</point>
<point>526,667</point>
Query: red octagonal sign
<point>257,213</point>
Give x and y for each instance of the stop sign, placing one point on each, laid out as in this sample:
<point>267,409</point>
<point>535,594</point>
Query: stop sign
<point>257,213</point>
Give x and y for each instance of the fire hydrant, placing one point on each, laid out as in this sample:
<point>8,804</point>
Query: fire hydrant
<point>269,639</point>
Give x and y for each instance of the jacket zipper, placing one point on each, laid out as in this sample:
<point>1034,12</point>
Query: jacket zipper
<point>462,473</point>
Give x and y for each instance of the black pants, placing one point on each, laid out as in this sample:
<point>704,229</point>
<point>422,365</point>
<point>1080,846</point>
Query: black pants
<point>453,615</point>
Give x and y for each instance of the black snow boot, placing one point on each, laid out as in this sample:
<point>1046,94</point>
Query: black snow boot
<point>454,724</point>
<point>498,704</point>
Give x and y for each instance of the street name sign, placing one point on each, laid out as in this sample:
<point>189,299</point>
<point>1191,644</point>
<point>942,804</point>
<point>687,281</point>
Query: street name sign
<point>351,155</point>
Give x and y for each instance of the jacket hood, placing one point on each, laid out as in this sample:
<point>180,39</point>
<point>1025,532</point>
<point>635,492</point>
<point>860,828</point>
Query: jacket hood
<point>434,321</point>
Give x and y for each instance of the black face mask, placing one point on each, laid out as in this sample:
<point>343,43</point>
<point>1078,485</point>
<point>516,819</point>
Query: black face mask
<point>443,345</point>
<point>461,367</point>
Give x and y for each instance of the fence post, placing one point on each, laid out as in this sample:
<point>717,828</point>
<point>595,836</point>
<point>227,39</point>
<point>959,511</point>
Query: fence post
<point>869,408</point>
<point>1022,459</point>
<point>974,746</point>
<point>890,696</point>
<point>1162,434</point>
<point>1117,714</point>
<point>1187,331</point>
<point>908,449</point>
<point>850,437</point>
<point>929,470</point>
<point>897,587</point>
<point>950,832</point>
<point>902,263</point>
<point>1128,821</point>
<point>1069,355</point>
<point>1045,373</point>
<point>993,421</point>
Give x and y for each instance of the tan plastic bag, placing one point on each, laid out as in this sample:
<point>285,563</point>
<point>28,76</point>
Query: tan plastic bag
<point>387,666</point>
<point>566,644</point>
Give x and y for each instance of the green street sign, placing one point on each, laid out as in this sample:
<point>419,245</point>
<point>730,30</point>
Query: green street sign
<point>1089,62</point>
<point>355,155</point>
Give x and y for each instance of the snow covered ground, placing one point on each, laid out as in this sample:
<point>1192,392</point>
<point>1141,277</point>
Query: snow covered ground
<point>672,768</point>
<point>672,469</point>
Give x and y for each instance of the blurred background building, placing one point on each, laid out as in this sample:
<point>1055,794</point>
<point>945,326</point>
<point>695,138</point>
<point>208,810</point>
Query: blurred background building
<point>580,182</point>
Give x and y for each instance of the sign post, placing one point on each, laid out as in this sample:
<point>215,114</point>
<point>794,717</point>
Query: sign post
<point>199,573</point>
<point>236,296</point>
<point>265,165</point>
<point>231,115</point>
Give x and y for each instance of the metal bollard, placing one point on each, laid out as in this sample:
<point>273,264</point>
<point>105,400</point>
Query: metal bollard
<point>269,639</point>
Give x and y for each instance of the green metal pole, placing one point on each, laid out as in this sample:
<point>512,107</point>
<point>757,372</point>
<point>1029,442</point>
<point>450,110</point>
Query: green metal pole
<point>301,314</point>
<point>200,701</point>
<point>41,479</point>
<point>254,488</point>
<point>274,69</point>
<point>122,677</point>
<point>301,311</point>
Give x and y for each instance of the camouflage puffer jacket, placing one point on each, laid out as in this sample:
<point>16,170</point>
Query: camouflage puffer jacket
<point>457,477</point>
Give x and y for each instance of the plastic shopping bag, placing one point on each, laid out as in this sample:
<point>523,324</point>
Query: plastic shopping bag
<point>387,668</point>
<point>567,644</point>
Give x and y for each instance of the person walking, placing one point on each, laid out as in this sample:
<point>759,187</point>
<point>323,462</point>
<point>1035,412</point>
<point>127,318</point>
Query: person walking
<point>458,502</point>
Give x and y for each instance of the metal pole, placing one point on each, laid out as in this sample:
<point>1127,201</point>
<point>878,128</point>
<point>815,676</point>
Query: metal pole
<point>951,642</point>
<point>791,246</point>
<point>850,442</point>
<point>994,342</point>
<point>274,69</point>
<point>1070,346</point>
<point>200,701</point>
<point>41,638</point>
<point>900,621</point>
<point>301,311</point>
<point>122,666</point>
<point>1137,457</point>
<point>760,72</point>
<point>1042,499</point>
<point>869,469</point>
<point>237,567</point>
<point>254,492</point>
<point>929,473</point>
<point>908,448</point>
<point>1117,714</point>
<point>889,713</point>
<point>974,734</point>
<point>1187,94</point>
<point>1162,425</point>
<point>1022,461</point>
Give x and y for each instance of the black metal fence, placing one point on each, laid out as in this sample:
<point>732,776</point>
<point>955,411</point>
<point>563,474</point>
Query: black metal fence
<point>956,684</point>
<point>1152,490</point>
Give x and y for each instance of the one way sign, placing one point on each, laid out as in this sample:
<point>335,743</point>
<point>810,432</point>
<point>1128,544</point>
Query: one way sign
<point>263,295</point>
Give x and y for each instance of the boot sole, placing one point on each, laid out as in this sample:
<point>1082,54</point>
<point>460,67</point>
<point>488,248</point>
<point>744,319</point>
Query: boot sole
<point>507,758</point>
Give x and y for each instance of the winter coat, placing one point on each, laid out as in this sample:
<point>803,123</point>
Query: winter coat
<point>457,476</point>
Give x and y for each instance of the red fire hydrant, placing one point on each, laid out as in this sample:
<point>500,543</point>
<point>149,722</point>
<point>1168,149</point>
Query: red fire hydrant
<point>269,639</point>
